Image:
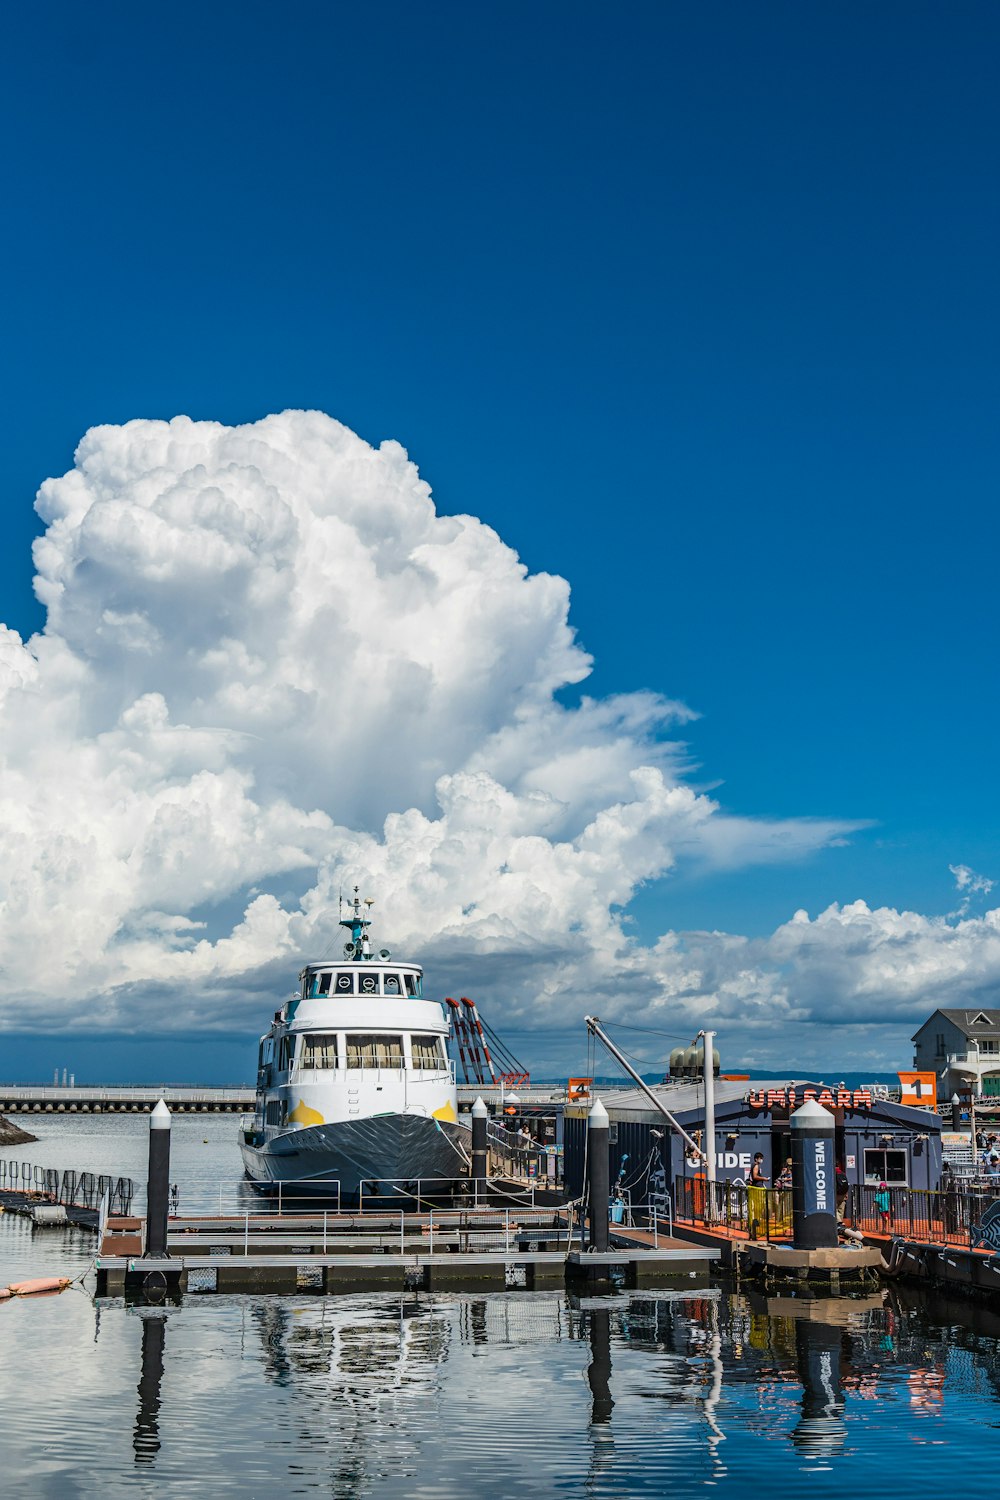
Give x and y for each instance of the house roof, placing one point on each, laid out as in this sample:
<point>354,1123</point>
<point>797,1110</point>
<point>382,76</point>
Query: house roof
<point>965,1020</point>
<point>686,1101</point>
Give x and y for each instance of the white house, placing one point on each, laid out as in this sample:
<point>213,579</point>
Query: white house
<point>963,1048</point>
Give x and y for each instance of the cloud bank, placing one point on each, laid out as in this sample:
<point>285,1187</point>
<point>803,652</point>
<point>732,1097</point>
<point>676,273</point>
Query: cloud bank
<point>270,668</point>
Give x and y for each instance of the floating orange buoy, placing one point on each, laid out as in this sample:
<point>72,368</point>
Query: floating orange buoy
<point>40,1284</point>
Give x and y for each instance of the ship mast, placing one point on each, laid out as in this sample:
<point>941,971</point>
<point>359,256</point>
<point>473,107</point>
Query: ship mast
<point>357,924</point>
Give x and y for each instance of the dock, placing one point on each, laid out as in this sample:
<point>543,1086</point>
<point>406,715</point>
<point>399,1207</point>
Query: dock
<point>325,1253</point>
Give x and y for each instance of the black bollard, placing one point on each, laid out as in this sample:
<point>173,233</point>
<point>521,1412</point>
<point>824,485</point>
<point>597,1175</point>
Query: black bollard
<point>158,1182</point>
<point>146,1435</point>
<point>956,1113</point>
<point>598,1176</point>
<point>480,1146</point>
<point>814,1178</point>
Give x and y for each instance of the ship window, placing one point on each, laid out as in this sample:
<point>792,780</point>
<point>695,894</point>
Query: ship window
<point>390,984</point>
<point>284,1053</point>
<point>374,1051</point>
<point>368,984</point>
<point>321,984</point>
<point>413,986</point>
<point>345,983</point>
<point>318,1051</point>
<point>427,1052</point>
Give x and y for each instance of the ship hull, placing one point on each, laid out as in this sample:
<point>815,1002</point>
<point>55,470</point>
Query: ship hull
<point>378,1150</point>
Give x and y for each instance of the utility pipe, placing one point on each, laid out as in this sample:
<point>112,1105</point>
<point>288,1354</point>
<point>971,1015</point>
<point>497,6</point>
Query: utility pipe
<point>594,1027</point>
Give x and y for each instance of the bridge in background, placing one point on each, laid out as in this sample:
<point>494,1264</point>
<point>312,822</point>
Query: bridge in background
<point>26,1098</point>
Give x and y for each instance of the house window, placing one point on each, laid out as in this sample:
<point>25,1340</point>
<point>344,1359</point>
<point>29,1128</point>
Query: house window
<point>885,1166</point>
<point>940,1052</point>
<point>990,1047</point>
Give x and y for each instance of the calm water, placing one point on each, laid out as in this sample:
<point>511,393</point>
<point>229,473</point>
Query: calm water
<point>508,1395</point>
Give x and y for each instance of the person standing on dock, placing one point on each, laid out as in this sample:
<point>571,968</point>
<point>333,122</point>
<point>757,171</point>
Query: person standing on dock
<point>883,1202</point>
<point>757,1195</point>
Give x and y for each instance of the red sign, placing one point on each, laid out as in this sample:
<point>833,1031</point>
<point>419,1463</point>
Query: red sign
<point>791,1099</point>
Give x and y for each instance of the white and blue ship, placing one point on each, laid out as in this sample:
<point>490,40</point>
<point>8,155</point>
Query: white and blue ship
<point>355,1089</point>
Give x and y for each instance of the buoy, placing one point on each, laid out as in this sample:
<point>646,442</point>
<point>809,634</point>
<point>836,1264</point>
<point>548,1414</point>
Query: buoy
<point>5,1292</point>
<point>39,1285</point>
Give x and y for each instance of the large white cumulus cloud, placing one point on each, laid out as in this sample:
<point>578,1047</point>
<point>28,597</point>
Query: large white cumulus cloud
<point>269,668</point>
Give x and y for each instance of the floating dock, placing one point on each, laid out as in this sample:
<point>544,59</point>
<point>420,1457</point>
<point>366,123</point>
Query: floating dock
<point>325,1253</point>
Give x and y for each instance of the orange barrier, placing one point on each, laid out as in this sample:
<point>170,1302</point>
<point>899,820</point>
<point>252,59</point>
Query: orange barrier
<point>38,1285</point>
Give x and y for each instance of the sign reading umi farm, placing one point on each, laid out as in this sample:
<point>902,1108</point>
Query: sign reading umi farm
<point>792,1098</point>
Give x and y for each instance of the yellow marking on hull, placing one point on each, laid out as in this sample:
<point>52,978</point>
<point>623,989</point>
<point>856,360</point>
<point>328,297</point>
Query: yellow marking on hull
<point>446,1112</point>
<point>303,1115</point>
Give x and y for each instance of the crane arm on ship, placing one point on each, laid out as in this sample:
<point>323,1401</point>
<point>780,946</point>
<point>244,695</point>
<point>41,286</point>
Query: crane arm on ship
<point>594,1027</point>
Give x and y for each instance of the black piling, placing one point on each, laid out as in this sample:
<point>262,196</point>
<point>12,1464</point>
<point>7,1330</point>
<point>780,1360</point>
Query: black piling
<point>814,1178</point>
<point>956,1114</point>
<point>480,1146</point>
<point>598,1176</point>
<point>158,1182</point>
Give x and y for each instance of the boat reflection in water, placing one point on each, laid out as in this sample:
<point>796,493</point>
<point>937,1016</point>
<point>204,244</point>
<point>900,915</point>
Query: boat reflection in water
<point>648,1389</point>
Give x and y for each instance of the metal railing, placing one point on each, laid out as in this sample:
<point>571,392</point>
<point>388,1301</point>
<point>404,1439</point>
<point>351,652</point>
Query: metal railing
<point>510,1152</point>
<point>428,1232</point>
<point>950,1215</point>
<point>374,1192</point>
<point>74,1189</point>
<point>737,1208</point>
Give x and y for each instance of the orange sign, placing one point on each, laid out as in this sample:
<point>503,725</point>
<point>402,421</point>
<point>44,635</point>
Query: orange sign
<point>578,1090</point>
<point>919,1090</point>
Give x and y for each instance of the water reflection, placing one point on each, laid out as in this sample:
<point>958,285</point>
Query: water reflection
<point>146,1436</point>
<point>634,1393</point>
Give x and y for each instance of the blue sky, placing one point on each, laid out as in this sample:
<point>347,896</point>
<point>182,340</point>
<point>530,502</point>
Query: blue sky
<point>695,305</point>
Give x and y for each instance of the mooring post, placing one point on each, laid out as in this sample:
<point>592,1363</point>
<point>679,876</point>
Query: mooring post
<point>956,1115</point>
<point>480,1147</point>
<point>158,1182</point>
<point>598,1176</point>
<point>814,1178</point>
